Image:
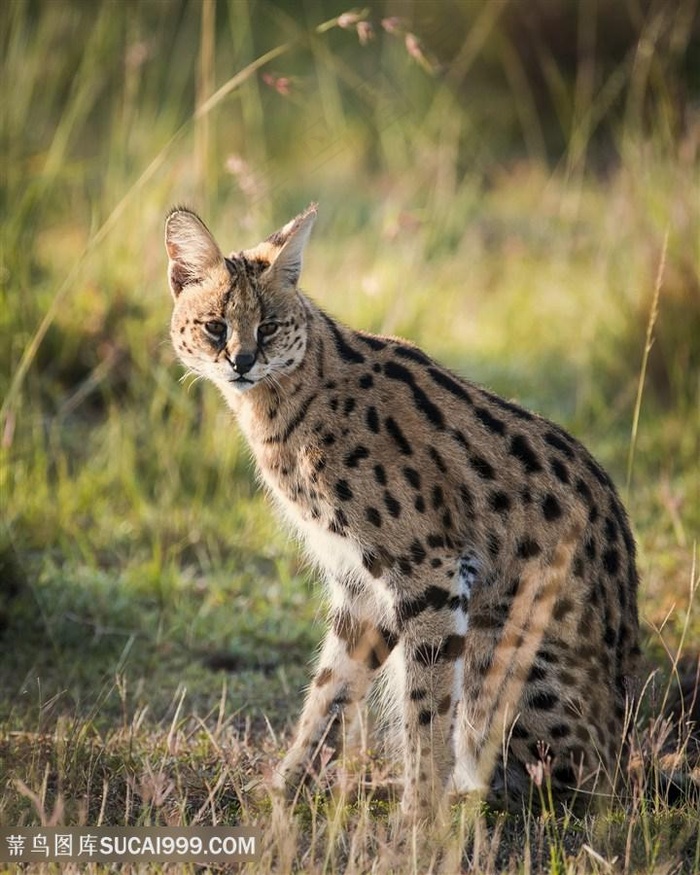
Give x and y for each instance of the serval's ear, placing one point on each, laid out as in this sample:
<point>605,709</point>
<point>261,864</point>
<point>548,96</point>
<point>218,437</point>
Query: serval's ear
<point>284,250</point>
<point>192,251</point>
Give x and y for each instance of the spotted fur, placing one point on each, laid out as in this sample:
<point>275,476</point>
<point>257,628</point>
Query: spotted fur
<point>472,545</point>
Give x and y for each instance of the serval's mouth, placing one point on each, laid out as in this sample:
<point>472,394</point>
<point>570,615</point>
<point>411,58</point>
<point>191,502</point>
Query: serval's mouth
<point>242,383</point>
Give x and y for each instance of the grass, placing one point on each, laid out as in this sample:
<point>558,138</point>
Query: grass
<point>156,624</point>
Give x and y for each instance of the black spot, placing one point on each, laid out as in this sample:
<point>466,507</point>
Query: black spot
<point>564,775</point>
<point>450,383</point>
<point>452,647</point>
<point>519,731</point>
<point>543,701</point>
<point>374,660</point>
<point>447,519</point>
<point>610,529</point>
<point>333,404</point>
<point>537,673</point>
<point>551,509</point>
<point>494,544</point>
<point>425,718</point>
<point>584,491</point>
<point>391,639</point>
<point>499,502</point>
<point>409,352</point>
<point>435,541</point>
<point>590,548</point>
<point>293,424</point>
<point>372,563</point>
<point>483,468</point>
<point>521,450</point>
<point>528,547</point>
<point>346,628</point>
<point>372,420</point>
<point>437,458</point>
<point>598,473</point>
<point>515,409</point>
<point>392,505</point>
<point>437,496</point>
<point>432,413</point>
<point>434,598</point>
<point>491,422</point>
<point>560,730</point>
<point>338,525</point>
<point>343,348</point>
<point>398,436</point>
<point>444,704</point>
<point>562,607</point>
<point>559,469</point>
<point>419,504</point>
<point>405,566</point>
<point>343,490</point>
<point>373,516</point>
<point>611,561</point>
<point>366,381</point>
<point>466,499</point>
<point>418,694</point>
<point>417,552</point>
<point>457,436</point>
<point>328,439</point>
<point>380,475</point>
<point>412,476</point>
<point>377,561</point>
<point>348,406</point>
<point>500,612</point>
<point>369,340</point>
<point>426,654</point>
<point>436,563</point>
<point>627,538</point>
<point>609,636</point>
<point>554,440</point>
<point>354,457</point>
<point>484,620</point>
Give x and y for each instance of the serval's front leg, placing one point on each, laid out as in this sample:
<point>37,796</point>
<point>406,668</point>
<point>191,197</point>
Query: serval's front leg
<point>433,628</point>
<point>353,651</point>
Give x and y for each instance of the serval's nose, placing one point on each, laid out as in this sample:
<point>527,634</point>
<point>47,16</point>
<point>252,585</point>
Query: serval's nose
<point>242,362</point>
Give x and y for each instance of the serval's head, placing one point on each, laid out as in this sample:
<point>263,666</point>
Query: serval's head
<point>237,320</point>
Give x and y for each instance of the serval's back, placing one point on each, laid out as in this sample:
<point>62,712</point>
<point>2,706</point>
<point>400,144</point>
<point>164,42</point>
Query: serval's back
<point>473,547</point>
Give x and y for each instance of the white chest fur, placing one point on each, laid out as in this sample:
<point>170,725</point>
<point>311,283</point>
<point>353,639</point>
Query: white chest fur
<point>340,558</point>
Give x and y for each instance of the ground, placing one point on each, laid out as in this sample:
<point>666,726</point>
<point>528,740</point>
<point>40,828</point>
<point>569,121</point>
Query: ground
<point>157,623</point>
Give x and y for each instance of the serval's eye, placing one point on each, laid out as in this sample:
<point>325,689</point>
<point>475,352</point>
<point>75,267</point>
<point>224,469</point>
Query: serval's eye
<point>216,330</point>
<point>267,329</point>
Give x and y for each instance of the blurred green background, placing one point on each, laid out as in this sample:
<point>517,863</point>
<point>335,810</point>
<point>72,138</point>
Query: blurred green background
<point>506,184</point>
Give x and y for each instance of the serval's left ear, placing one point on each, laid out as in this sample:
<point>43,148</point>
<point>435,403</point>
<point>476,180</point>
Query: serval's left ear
<point>285,248</point>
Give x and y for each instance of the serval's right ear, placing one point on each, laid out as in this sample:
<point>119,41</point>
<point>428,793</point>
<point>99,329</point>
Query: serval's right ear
<point>192,251</point>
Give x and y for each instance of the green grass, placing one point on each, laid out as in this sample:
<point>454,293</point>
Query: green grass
<point>156,623</point>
